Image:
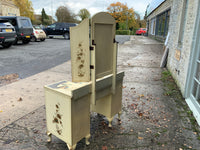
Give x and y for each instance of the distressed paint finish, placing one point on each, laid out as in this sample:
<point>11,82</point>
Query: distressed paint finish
<point>109,104</point>
<point>103,35</point>
<point>68,111</point>
<point>104,55</point>
<point>68,104</point>
<point>80,54</point>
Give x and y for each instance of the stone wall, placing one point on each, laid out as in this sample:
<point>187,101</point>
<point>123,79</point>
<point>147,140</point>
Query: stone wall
<point>162,8</point>
<point>178,66</point>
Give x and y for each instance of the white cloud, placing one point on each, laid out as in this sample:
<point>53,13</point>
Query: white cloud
<point>93,6</point>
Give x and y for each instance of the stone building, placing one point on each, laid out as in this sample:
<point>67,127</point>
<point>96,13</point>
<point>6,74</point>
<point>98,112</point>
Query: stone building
<point>158,12</point>
<point>8,8</point>
<point>183,45</point>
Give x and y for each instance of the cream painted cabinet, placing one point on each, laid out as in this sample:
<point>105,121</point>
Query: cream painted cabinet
<point>107,103</point>
<point>68,111</point>
<point>96,85</point>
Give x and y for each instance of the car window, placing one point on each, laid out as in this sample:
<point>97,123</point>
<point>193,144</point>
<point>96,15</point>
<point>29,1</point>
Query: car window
<point>2,24</point>
<point>25,22</point>
<point>5,24</point>
<point>52,26</point>
<point>13,22</point>
<point>37,27</point>
<point>59,25</point>
<point>144,29</point>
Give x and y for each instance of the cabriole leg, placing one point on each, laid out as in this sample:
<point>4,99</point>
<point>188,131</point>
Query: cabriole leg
<point>110,122</point>
<point>71,147</point>
<point>119,115</point>
<point>50,137</point>
<point>87,140</point>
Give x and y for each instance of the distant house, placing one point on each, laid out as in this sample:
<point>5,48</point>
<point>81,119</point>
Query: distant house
<point>181,19</point>
<point>8,8</point>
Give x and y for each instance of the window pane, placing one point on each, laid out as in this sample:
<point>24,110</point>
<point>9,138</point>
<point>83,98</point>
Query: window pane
<point>25,23</point>
<point>198,72</point>
<point>198,98</point>
<point>194,91</point>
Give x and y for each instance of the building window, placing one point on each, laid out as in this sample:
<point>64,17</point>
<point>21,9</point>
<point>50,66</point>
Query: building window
<point>162,23</point>
<point>182,23</point>
<point>167,22</point>
<point>153,26</point>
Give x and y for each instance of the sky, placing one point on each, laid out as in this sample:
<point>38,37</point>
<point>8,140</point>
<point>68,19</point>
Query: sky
<point>93,6</point>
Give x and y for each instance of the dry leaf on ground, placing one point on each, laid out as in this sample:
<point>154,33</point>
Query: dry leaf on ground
<point>140,138</point>
<point>104,148</point>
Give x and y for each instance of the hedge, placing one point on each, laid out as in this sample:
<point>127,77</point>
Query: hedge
<point>123,32</point>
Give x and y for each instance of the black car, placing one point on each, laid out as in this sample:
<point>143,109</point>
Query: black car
<point>7,33</point>
<point>59,28</point>
<point>23,27</point>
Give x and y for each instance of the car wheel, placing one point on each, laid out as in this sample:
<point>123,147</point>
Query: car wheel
<point>25,41</point>
<point>42,39</point>
<point>51,37</point>
<point>66,36</point>
<point>33,39</point>
<point>6,45</point>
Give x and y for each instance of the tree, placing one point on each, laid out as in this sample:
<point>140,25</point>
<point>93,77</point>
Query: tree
<point>25,8</point>
<point>139,23</point>
<point>84,13</point>
<point>122,14</point>
<point>44,18</point>
<point>64,15</point>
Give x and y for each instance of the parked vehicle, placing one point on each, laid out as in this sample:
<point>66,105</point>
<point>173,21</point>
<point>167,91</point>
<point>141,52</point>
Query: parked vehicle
<point>59,28</point>
<point>7,33</point>
<point>39,34</point>
<point>23,27</point>
<point>141,31</point>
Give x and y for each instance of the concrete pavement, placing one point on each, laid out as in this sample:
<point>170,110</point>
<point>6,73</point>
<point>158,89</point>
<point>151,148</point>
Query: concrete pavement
<point>153,117</point>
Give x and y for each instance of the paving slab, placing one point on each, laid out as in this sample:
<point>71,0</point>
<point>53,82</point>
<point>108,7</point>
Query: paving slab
<point>151,120</point>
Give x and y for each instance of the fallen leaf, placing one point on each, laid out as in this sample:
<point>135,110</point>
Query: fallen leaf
<point>140,114</point>
<point>140,138</point>
<point>20,99</point>
<point>131,130</point>
<point>104,132</point>
<point>1,110</point>
<point>190,147</point>
<point>180,149</point>
<point>104,148</point>
<point>142,95</point>
<point>17,141</point>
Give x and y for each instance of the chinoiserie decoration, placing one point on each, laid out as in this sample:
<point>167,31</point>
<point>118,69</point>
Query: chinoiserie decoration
<point>96,85</point>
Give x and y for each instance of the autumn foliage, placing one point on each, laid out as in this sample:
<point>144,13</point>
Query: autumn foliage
<point>124,16</point>
<point>25,8</point>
